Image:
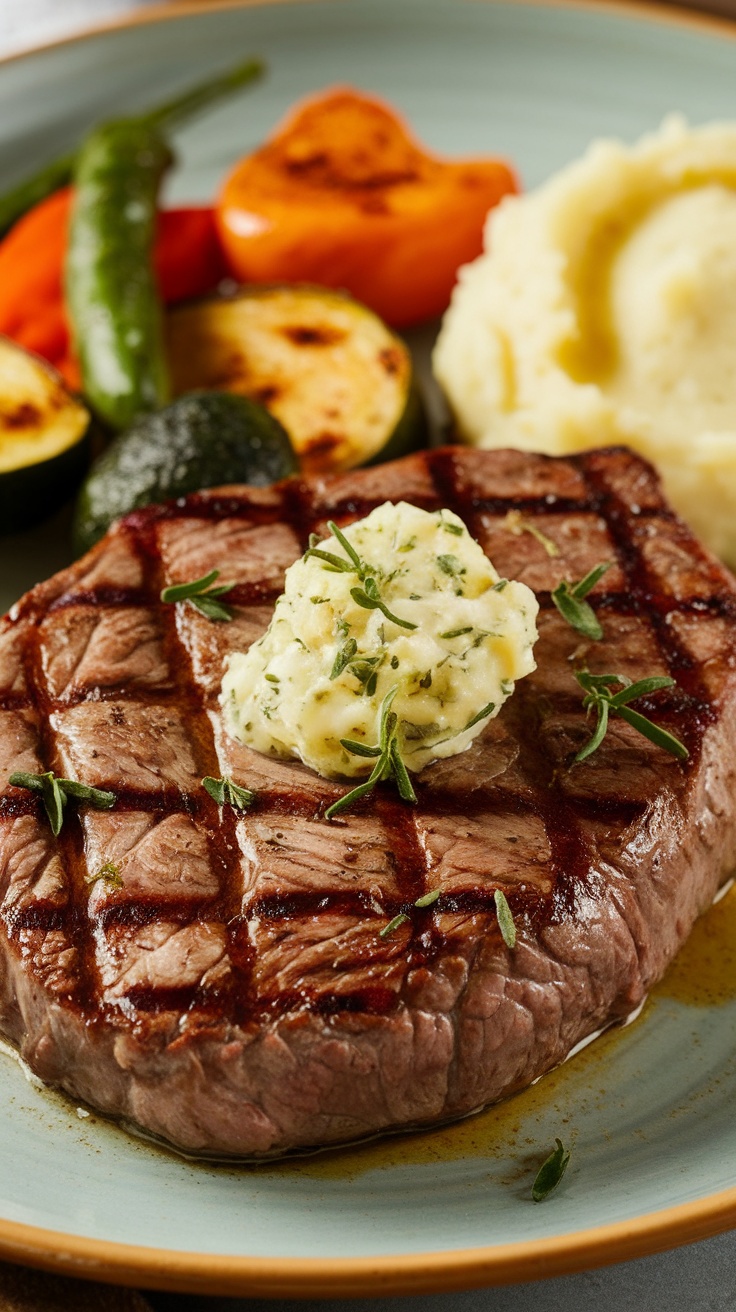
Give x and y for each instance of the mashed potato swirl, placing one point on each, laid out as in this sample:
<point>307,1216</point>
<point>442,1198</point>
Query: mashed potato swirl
<point>604,311</point>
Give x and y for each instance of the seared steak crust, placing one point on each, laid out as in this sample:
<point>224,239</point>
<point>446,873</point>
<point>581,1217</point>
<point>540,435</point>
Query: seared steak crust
<point>233,994</point>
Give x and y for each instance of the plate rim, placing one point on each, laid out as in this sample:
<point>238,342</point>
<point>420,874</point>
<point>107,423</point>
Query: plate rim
<point>443,1270</point>
<point>666,13</point>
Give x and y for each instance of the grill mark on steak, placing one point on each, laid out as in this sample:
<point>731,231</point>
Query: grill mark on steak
<point>655,601</point>
<point>277,961</point>
<point>220,828</point>
<point>569,846</point>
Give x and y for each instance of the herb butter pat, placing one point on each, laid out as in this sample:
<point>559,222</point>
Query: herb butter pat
<point>406,600</point>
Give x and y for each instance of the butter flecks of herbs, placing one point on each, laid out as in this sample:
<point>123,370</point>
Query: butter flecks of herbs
<point>414,605</point>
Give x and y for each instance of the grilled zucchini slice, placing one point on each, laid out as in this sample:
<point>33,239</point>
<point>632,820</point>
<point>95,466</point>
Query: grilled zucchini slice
<point>329,369</point>
<point>44,439</point>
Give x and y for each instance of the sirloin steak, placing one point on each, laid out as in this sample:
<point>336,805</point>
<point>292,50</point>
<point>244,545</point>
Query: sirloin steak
<point>233,995</point>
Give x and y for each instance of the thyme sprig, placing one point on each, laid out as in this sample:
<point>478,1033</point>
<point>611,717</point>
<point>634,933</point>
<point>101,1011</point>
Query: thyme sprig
<point>387,754</point>
<point>569,598</point>
<point>226,793</point>
<point>601,697</point>
<point>202,595</point>
<point>426,900</point>
<point>550,1172</point>
<point>55,794</point>
<point>505,919</point>
<point>516,523</point>
<point>353,565</point>
<point>368,596</point>
<point>370,599</point>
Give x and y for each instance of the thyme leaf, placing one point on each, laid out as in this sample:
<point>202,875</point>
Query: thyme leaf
<point>353,565</point>
<point>450,564</point>
<point>487,710</point>
<point>202,595</point>
<point>226,793</point>
<point>457,633</point>
<point>516,524</point>
<point>569,598</point>
<point>344,657</point>
<point>388,929</point>
<point>428,899</point>
<point>550,1172</point>
<point>505,919</point>
<point>387,754</point>
<point>370,599</point>
<point>601,698</point>
<point>55,794</point>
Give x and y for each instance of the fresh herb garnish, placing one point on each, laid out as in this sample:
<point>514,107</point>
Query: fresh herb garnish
<point>505,919</point>
<point>388,929</point>
<point>344,657</point>
<point>457,633</point>
<point>354,565</point>
<point>109,873</point>
<point>487,710</point>
<point>599,696</point>
<point>56,793</point>
<point>370,599</point>
<point>389,763</point>
<point>203,595</point>
<point>550,1172</point>
<point>516,524</point>
<point>450,564</point>
<point>368,596</point>
<point>569,600</point>
<point>428,899</point>
<point>226,793</point>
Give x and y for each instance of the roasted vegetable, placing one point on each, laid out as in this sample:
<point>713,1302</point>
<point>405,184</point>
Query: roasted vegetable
<point>343,196</point>
<point>59,172</point>
<point>111,290</point>
<point>201,440</point>
<point>187,259</point>
<point>338,379</point>
<point>44,439</point>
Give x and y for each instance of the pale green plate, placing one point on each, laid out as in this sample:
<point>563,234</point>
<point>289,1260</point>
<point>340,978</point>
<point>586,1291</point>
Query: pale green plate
<point>649,1112</point>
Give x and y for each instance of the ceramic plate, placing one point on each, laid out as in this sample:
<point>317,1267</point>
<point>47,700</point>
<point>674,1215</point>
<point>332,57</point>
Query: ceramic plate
<point>647,1111</point>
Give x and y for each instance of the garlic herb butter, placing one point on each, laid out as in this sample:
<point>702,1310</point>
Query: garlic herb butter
<point>403,602</point>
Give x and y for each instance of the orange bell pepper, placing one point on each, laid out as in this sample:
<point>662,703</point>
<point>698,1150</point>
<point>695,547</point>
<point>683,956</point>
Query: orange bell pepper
<point>341,195</point>
<point>188,260</point>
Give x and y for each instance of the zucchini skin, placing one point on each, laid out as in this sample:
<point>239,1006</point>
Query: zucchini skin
<point>411,432</point>
<point>203,439</point>
<point>111,289</point>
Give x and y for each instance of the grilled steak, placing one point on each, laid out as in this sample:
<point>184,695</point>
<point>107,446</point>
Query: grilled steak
<point>231,993</point>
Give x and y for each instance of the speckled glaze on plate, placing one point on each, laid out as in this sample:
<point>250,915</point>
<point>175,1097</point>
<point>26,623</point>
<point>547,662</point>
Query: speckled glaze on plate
<point>647,1111</point>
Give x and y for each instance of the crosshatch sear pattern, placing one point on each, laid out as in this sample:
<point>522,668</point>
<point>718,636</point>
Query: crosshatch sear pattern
<point>231,992</point>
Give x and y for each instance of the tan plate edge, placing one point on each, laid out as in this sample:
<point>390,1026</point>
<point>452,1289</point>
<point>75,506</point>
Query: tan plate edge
<point>416,1273</point>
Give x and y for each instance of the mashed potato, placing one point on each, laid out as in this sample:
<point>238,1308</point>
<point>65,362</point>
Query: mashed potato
<point>605,312</point>
<point>450,642</point>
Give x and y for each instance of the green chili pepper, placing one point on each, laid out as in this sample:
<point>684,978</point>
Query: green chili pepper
<point>59,172</point>
<point>112,296</point>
